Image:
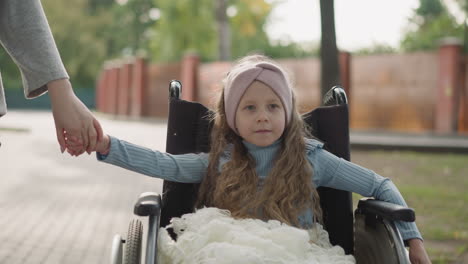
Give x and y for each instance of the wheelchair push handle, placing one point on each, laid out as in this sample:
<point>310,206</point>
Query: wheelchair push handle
<point>335,96</point>
<point>175,89</point>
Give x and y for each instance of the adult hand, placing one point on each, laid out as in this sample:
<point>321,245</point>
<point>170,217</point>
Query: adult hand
<point>72,118</point>
<point>103,146</point>
<point>417,253</point>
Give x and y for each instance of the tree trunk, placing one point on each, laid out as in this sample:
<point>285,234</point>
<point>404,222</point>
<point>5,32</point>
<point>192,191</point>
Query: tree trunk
<point>330,72</point>
<point>224,34</point>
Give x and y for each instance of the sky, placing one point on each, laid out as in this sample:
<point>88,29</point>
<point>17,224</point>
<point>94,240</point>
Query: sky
<point>358,23</point>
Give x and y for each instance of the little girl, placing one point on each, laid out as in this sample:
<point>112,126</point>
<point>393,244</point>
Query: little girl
<point>263,163</point>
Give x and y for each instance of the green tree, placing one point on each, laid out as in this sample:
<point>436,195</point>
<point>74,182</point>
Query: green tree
<point>9,71</point>
<point>247,23</point>
<point>184,25</point>
<point>430,22</point>
<point>129,28</point>
<point>77,35</point>
<point>94,6</point>
<point>78,38</point>
<point>429,10</point>
<point>132,25</point>
<point>187,25</point>
<point>88,32</point>
<point>377,48</point>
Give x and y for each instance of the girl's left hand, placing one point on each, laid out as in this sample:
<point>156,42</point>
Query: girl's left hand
<point>417,252</point>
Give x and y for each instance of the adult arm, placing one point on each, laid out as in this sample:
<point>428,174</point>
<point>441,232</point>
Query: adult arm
<point>26,36</point>
<point>188,168</point>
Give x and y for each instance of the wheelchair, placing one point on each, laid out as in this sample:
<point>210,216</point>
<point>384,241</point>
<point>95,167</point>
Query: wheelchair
<point>370,234</point>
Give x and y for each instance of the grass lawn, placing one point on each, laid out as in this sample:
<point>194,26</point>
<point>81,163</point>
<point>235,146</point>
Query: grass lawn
<point>436,186</point>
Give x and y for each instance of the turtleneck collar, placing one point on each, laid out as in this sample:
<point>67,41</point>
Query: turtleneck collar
<point>263,156</point>
<point>252,147</point>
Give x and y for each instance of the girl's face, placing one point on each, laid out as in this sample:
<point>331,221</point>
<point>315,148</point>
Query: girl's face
<point>260,116</point>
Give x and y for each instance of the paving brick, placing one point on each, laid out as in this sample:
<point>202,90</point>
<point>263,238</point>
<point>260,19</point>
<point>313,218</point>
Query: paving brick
<point>61,209</point>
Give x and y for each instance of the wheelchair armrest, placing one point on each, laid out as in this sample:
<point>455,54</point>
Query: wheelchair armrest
<point>148,204</point>
<point>386,210</point>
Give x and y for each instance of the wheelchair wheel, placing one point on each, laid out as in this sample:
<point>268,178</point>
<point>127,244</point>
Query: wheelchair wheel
<point>377,242</point>
<point>133,243</point>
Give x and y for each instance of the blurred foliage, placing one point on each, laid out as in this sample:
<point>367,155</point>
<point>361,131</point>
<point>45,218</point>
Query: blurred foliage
<point>78,36</point>
<point>89,32</point>
<point>431,22</point>
<point>184,26</point>
<point>129,31</point>
<point>248,19</point>
<point>247,34</point>
<point>190,26</point>
<point>377,48</point>
<point>464,6</point>
<point>9,72</point>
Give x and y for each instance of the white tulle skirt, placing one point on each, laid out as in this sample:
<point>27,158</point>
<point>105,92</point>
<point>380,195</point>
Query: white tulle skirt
<point>211,235</point>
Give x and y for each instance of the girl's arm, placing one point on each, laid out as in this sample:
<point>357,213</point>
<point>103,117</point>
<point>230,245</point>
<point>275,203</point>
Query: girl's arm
<point>27,38</point>
<point>188,168</point>
<point>334,172</point>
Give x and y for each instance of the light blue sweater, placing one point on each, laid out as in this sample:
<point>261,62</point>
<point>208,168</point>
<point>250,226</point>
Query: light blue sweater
<point>328,171</point>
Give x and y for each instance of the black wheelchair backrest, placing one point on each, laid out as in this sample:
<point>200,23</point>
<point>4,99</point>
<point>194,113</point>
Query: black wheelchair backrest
<point>188,131</point>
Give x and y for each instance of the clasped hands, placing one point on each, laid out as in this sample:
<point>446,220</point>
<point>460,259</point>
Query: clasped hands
<point>73,120</point>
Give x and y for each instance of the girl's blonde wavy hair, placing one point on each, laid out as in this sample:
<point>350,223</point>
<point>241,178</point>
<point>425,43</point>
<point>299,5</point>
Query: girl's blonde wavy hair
<point>288,189</point>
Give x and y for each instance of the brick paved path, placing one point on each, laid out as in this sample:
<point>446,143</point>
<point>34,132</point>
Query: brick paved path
<point>55,208</point>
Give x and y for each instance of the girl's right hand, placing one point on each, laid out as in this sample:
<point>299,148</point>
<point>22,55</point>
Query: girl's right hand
<point>103,146</point>
<point>73,144</point>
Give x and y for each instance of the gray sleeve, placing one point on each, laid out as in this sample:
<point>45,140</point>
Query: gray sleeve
<point>26,36</point>
<point>331,171</point>
<point>188,168</point>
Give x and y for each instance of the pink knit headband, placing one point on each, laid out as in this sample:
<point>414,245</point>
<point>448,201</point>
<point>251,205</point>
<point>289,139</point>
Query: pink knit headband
<point>266,73</point>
